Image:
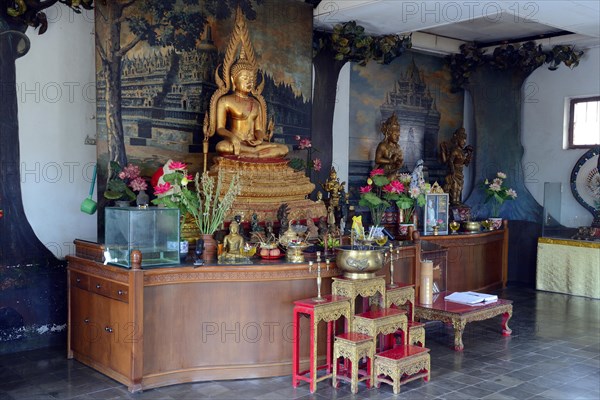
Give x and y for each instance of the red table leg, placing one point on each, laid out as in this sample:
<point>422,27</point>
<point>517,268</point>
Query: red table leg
<point>296,349</point>
<point>506,331</point>
<point>313,356</point>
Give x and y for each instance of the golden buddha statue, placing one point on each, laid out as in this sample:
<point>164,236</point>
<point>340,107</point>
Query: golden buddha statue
<point>233,243</point>
<point>388,155</point>
<point>238,114</point>
<point>240,119</point>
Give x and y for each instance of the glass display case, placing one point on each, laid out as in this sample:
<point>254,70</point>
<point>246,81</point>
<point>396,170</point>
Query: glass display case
<point>154,231</point>
<point>552,225</point>
<point>439,255</point>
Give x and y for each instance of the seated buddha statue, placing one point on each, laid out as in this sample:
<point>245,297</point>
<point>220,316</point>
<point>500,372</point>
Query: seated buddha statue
<point>233,243</point>
<point>237,115</point>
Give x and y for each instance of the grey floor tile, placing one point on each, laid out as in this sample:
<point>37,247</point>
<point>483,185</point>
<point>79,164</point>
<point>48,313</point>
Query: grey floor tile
<point>550,356</point>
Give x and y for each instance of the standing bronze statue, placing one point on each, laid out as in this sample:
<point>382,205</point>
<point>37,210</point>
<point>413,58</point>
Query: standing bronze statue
<point>456,155</point>
<point>388,155</point>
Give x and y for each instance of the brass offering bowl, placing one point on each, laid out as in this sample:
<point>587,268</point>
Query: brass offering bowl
<point>295,252</point>
<point>359,262</point>
<point>472,226</point>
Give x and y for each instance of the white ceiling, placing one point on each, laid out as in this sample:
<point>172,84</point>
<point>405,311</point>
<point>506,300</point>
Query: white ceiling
<point>441,26</point>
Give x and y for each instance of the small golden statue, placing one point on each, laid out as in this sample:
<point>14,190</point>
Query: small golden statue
<point>456,155</point>
<point>388,155</point>
<point>233,244</point>
<point>334,188</point>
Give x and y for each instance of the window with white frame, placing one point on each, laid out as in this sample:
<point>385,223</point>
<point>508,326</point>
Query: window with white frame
<point>584,122</point>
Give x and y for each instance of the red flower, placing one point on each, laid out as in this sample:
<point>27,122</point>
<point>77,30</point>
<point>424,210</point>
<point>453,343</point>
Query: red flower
<point>365,189</point>
<point>304,143</point>
<point>1,213</point>
<point>162,188</point>
<point>394,187</point>
<point>317,164</point>
<point>377,171</point>
<point>177,165</point>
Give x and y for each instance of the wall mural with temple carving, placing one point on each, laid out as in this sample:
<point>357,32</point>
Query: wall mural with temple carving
<point>162,81</point>
<point>416,87</point>
<point>156,66</point>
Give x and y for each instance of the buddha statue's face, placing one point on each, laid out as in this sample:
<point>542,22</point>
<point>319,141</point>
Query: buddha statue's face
<point>244,81</point>
<point>394,132</point>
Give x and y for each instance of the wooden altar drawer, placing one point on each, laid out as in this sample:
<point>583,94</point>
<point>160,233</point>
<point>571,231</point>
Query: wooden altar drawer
<point>81,281</point>
<point>109,289</point>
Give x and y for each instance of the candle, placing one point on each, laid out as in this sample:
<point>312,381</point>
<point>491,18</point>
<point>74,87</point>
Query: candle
<point>426,289</point>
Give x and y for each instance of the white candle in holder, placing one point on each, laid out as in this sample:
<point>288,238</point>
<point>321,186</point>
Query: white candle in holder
<point>426,289</point>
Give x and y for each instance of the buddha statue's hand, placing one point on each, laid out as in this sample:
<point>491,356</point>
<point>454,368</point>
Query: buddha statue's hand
<point>253,142</point>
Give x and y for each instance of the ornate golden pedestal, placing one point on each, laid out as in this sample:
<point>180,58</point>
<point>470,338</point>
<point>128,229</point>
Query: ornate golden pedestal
<point>353,347</point>
<point>268,183</point>
<point>401,365</point>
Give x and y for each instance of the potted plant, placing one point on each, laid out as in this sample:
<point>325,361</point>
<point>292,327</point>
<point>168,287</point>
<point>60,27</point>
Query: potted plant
<point>123,182</point>
<point>208,204</point>
<point>378,194</point>
<point>412,195</point>
<point>497,193</point>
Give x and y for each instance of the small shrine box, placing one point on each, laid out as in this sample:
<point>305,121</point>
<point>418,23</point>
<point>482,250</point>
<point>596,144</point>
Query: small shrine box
<point>154,231</point>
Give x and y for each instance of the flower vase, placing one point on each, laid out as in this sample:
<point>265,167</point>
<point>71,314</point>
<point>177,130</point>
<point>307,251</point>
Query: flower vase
<point>403,229</point>
<point>210,248</point>
<point>142,199</point>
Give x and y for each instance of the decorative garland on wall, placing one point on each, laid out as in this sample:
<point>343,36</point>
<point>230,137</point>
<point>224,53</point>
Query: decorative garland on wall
<point>349,42</point>
<point>526,58</point>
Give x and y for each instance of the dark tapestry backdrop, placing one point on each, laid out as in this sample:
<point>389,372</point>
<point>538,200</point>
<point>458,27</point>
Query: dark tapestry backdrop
<point>416,87</point>
<point>165,90</point>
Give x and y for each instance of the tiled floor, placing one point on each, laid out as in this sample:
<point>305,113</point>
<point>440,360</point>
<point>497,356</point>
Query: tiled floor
<point>553,353</point>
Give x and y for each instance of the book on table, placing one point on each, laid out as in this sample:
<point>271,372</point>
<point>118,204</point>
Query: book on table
<point>471,298</point>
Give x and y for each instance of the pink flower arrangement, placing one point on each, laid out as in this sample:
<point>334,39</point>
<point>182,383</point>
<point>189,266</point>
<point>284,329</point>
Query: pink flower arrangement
<point>123,182</point>
<point>378,194</point>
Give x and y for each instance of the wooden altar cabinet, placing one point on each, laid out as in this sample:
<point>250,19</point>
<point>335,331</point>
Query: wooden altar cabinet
<point>148,328</point>
<point>475,261</point>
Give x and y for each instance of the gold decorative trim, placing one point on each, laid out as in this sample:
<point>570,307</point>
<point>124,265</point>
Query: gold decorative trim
<point>412,368</point>
<point>399,296</point>
<point>416,336</point>
<point>183,276</point>
<point>567,242</point>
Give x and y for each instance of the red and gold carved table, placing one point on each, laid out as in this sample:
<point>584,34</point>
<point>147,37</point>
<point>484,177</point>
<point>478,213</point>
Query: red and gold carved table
<point>330,309</point>
<point>460,314</point>
<point>385,321</point>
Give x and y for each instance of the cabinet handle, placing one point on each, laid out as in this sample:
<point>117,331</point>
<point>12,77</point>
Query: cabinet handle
<point>98,286</point>
<point>108,329</point>
<point>87,320</point>
<point>120,292</point>
<point>78,280</point>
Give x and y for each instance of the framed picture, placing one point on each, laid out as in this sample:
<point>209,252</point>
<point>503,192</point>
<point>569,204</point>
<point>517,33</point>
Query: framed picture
<point>435,214</point>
